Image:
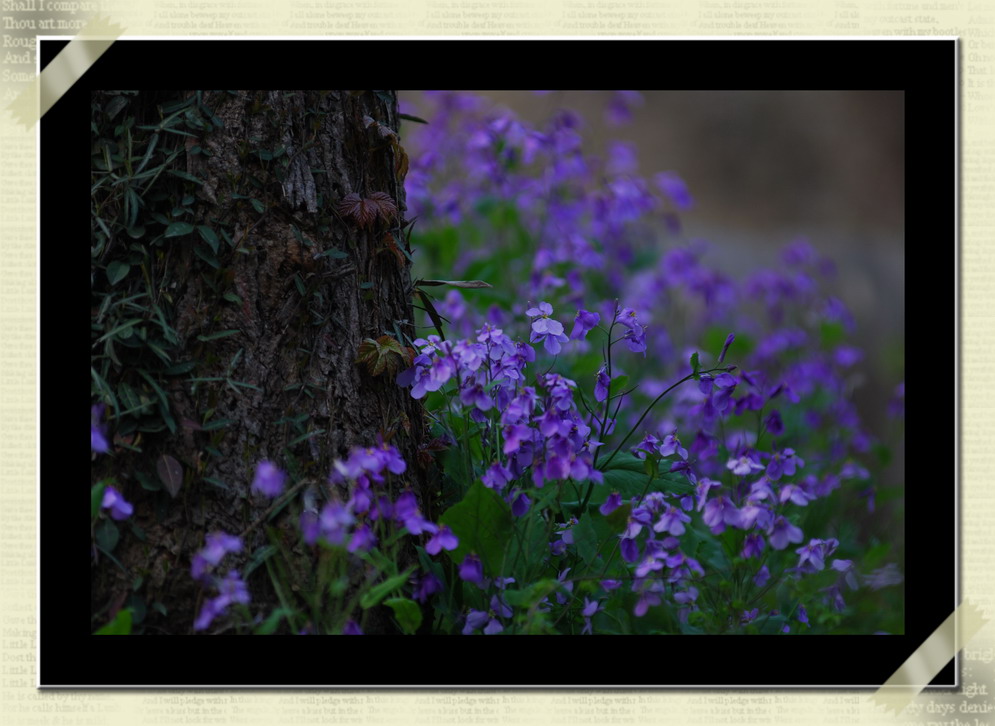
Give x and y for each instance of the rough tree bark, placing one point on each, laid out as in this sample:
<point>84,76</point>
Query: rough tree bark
<point>303,282</point>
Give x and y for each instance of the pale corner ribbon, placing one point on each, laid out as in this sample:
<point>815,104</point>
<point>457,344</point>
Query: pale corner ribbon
<point>930,658</point>
<point>64,70</point>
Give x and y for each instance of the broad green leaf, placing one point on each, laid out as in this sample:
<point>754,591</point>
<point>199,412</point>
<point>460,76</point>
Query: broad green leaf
<point>585,538</point>
<point>532,595</point>
<point>407,612</point>
<point>120,625</point>
<point>483,524</point>
<point>208,235</point>
<point>618,385</point>
<point>178,229</point>
<point>107,535</point>
<point>117,271</point>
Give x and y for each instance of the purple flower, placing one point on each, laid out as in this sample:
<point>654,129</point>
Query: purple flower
<point>269,480</point>
<point>362,539</point>
<point>549,331</point>
<point>753,546</point>
<point>333,524</point>
<point>497,476</point>
<point>584,322</point>
<point>613,502</point>
<point>619,110</point>
<point>601,385</point>
<point>725,347</point>
<point>351,628</point>
<point>803,615</point>
<point>474,395</point>
<point>744,465</point>
<point>98,435</point>
<point>849,574</point>
<point>675,188</point>
<point>444,539</point>
<point>519,503</point>
<point>119,508</point>
<point>218,544</point>
<point>672,445</point>
<point>471,569</point>
<point>774,423</point>
<point>719,512</point>
<point>230,590</point>
<point>425,586</point>
<point>590,608</point>
<point>762,576</point>
<point>782,532</point>
<point>783,462</point>
<point>477,619</point>
<point>672,521</point>
<point>646,600</point>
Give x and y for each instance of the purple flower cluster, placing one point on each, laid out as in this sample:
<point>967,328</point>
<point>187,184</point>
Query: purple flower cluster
<point>360,501</point>
<point>761,440</point>
<point>230,589</point>
<point>541,429</point>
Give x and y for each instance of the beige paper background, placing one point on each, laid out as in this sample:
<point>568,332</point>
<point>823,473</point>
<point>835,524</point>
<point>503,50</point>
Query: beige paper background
<point>21,704</point>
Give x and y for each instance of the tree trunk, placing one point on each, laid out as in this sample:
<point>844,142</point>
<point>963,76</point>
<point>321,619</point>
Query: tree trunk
<point>270,294</point>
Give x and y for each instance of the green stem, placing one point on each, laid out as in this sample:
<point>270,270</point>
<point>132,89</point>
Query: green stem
<point>650,408</point>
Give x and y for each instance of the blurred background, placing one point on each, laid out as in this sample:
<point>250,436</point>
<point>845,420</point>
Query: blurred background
<point>767,167</point>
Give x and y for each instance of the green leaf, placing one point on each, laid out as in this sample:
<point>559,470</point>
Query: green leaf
<point>831,334</point>
<point>407,612</point>
<point>261,554</point>
<point>178,369</point>
<point>120,625</point>
<point>269,625</point>
<point>377,593</point>
<point>257,205</point>
<point>184,175</point>
<point>216,336</point>
<point>585,538</point>
<point>483,523</point>
<point>335,254</point>
<point>117,271</point>
<point>107,535</point>
<point>695,366</point>
<point>618,385</point>
<point>97,497</point>
<point>627,475</point>
<point>532,595</point>
<point>178,229</point>
<point>208,235</point>
<point>208,257</point>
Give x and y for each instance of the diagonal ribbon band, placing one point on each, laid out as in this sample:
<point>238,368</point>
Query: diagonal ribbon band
<point>930,658</point>
<point>65,69</point>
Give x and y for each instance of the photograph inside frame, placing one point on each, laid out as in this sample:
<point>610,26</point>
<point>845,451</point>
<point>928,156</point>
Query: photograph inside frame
<point>509,363</point>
